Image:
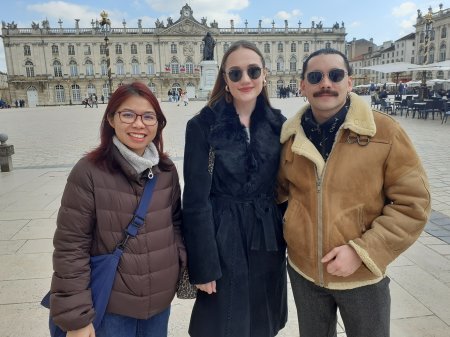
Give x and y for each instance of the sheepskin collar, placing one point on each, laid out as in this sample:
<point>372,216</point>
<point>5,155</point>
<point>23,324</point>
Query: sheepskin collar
<point>359,119</point>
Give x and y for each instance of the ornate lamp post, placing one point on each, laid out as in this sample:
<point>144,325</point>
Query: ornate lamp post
<point>105,24</point>
<point>428,28</point>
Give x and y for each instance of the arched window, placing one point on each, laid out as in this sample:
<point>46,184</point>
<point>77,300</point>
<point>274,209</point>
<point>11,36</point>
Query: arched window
<point>266,47</point>
<point>55,51</point>
<point>29,68</point>
<point>57,69</point>
<point>442,52</point>
<point>135,67</point>
<point>431,55</point>
<point>73,68</point>
<point>91,89</point>
<point>148,49</point>
<point>173,48</point>
<point>59,93</point>
<point>293,86</point>
<point>133,49</point>
<point>150,66</point>
<point>102,49</point>
<point>120,67</point>
<point>76,93</point>
<point>89,68</point>
<point>226,46</point>
<point>280,47</point>
<point>118,49</point>
<point>268,63</point>
<point>293,64</point>
<point>174,66</point>
<point>432,33</point>
<point>280,84</point>
<point>280,64</point>
<point>306,47</point>
<point>189,66</point>
<point>422,37</point>
<point>105,91</point>
<point>26,50</point>
<point>71,50</point>
<point>104,68</point>
<point>293,47</point>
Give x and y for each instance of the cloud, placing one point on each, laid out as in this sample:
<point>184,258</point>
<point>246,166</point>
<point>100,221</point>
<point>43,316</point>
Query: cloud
<point>283,15</point>
<point>405,9</point>
<point>68,12</point>
<point>219,10</point>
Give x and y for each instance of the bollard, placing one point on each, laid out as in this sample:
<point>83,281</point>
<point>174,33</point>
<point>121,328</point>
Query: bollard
<point>6,151</point>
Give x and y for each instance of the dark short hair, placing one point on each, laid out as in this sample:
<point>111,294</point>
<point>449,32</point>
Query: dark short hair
<point>326,51</point>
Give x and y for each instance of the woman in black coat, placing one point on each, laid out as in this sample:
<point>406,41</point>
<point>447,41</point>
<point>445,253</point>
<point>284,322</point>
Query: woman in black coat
<point>231,223</point>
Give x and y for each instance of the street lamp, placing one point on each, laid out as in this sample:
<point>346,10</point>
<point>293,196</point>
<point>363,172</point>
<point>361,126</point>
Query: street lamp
<point>428,30</point>
<point>105,24</point>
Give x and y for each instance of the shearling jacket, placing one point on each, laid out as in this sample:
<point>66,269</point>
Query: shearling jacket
<point>96,207</point>
<point>372,194</point>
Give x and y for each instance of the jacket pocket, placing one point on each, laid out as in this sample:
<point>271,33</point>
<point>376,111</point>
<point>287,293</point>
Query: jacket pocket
<point>299,230</point>
<point>349,224</point>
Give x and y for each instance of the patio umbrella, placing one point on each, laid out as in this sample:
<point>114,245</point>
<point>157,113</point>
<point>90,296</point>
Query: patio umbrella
<point>396,68</point>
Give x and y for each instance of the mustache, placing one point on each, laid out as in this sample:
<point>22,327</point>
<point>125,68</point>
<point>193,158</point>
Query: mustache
<point>325,92</point>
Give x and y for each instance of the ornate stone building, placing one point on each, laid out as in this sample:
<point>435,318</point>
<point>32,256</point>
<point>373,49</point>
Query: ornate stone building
<point>57,66</point>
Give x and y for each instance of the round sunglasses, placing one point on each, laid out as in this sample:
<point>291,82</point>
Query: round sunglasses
<point>235,75</point>
<point>335,75</point>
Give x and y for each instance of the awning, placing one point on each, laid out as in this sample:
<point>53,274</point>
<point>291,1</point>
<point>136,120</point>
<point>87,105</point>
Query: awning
<point>397,67</point>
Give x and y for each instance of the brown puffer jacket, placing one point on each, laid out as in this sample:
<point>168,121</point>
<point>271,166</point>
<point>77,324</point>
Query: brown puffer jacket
<point>96,207</point>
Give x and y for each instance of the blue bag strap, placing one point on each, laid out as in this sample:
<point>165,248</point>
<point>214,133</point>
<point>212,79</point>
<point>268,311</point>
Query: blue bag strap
<point>139,214</point>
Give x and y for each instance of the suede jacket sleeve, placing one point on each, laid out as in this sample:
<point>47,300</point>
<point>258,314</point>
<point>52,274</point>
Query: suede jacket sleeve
<point>406,211</point>
<point>198,223</point>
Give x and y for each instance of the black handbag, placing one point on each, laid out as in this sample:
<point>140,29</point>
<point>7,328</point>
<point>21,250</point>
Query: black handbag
<point>104,267</point>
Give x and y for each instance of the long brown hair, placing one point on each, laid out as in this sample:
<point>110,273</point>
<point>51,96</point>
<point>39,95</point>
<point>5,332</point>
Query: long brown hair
<point>102,154</point>
<point>219,87</point>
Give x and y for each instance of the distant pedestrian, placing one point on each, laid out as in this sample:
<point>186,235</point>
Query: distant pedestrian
<point>103,99</point>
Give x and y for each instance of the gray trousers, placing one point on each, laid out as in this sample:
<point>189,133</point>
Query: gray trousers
<point>365,311</point>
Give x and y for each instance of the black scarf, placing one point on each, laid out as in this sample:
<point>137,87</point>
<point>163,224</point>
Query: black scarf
<point>323,135</point>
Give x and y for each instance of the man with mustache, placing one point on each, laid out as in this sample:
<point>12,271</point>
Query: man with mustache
<point>357,198</point>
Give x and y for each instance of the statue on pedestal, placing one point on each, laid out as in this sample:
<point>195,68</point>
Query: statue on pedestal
<point>208,50</point>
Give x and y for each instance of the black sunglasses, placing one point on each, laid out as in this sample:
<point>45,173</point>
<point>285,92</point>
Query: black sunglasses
<point>253,72</point>
<point>335,75</point>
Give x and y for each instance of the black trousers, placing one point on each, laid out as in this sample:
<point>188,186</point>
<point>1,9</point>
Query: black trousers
<point>365,311</point>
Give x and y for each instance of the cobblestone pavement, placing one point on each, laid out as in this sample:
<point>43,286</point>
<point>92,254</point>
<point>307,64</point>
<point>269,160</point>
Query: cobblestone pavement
<point>49,140</point>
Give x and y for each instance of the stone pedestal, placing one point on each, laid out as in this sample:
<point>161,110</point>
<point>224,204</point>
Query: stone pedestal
<point>208,75</point>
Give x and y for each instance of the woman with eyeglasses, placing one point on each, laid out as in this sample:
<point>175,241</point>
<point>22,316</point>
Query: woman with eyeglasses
<point>102,192</point>
<point>231,224</point>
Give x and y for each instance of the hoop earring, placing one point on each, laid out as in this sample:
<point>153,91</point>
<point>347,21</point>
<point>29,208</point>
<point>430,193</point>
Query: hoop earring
<point>305,99</point>
<point>226,88</point>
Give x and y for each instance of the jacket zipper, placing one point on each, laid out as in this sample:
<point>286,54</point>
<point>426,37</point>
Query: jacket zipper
<point>319,182</point>
<point>319,229</point>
